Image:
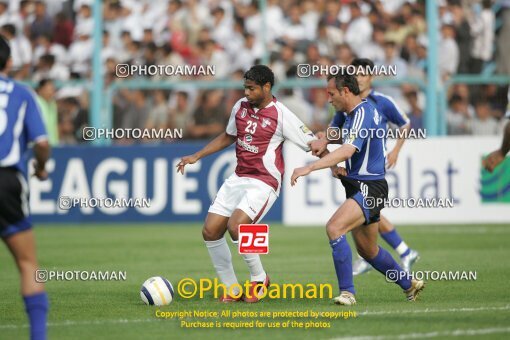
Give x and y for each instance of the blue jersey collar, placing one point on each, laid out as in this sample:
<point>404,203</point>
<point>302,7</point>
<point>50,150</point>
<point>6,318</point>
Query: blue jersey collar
<point>362,102</point>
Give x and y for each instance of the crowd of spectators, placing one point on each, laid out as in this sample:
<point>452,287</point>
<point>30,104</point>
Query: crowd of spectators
<point>52,44</point>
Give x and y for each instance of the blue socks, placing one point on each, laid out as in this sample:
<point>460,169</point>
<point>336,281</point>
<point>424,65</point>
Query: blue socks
<point>342,258</point>
<point>395,241</point>
<point>384,262</point>
<point>37,309</point>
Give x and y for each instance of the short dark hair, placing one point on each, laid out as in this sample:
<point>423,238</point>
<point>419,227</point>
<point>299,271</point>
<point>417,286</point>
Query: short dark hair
<point>47,58</point>
<point>10,28</point>
<point>364,63</point>
<point>43,83</point>
<point>345,80</point>
<point>183,93</point>
<point>5,52</point>
<point>71,101</point>
<point>260,74</point>
<point>456,99</point>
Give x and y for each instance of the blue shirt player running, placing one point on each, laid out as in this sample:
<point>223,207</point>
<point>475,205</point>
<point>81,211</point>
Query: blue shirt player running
<point>366,189</point>
<point>21,124</point>
<point>390,113</point>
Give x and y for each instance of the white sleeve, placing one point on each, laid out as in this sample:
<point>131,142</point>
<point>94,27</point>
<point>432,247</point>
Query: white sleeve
<point>231,126</point>
<point>295,130</point>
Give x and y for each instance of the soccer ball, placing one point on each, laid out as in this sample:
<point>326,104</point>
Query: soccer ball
<point>157,291</point>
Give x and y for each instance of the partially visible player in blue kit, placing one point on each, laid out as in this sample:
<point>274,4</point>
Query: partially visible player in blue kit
<point>390,112</point>
<point>21,124</point>
<point>364,182</point>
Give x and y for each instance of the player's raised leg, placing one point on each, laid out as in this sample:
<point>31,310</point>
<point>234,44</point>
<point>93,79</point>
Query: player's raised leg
<point>257,272</point>
<point>347,217</point>
<point>22,247</point>
<point>407,255</point>
<point>253,207</point>
<point>379,258</point>
<point>388,232</point>
<point>213,232</point>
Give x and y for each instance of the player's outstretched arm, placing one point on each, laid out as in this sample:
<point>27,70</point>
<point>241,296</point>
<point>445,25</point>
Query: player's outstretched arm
<point>219,143</point>
<point>497,156</point>
<point>333,158</point>
<point>393,154</point>
<point>42,152</point>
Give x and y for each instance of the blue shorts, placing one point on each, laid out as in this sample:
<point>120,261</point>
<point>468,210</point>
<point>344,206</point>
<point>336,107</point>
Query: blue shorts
<point>370,195</point>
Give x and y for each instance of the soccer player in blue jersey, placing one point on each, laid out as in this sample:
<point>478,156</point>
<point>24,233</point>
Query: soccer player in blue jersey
<point>21,124</point>
<point>365,187</point>
<point>390,112</point>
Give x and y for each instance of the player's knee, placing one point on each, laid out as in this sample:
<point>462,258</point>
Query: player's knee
<point>335,229</point>
<point>209,234</point>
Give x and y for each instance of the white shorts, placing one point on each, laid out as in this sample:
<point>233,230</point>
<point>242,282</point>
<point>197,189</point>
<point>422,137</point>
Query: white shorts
<point>252,196</point>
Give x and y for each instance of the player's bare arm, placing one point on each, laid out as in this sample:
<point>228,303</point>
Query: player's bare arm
<point>497,156</point>
<point>317,150</point>
<point>331,159</point>
<point>42,153</point>
<point>393,154</point>
<point>217,144</point>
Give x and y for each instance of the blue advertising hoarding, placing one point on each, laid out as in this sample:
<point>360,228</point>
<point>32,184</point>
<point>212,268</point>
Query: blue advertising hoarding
<point>143,173</point>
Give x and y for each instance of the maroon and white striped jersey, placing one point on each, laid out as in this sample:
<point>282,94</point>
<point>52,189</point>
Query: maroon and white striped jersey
<point>260,135</point>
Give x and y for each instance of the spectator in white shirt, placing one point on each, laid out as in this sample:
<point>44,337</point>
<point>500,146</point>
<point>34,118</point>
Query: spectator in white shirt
<point>197,17</point>
<point>482,31</point>
<point>236,41</point>
<point>392,58</point>
<point>374,49</point>
<point>211,55</point>
<point>282,63</point>
<point>221,27</point>
<point>344,54</point>
<point>48,68</point>
<point>328,37</point>
<point>80,54</point>
<point>458,117</point>
<point>484,123</point>
<point>245,58</point>
<point>295,30</point>
<point>297,104</point>
<point>310,18</point>
<point>21,52</point>
<point>84,20</point>
<point>359,30</point>
<point>11,15</point>
<point>449,52</point>
<point>44,45</point>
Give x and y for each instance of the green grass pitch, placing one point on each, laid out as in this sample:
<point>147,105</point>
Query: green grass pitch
<point>114,310</point>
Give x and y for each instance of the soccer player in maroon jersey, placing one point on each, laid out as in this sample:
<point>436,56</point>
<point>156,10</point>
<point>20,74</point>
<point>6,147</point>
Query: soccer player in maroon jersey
<point>258,124</point>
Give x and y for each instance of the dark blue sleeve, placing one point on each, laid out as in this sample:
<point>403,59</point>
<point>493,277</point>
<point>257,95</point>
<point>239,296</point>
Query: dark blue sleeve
<point>393,113</point>
<point>338,120</point>
<point>34,125</point>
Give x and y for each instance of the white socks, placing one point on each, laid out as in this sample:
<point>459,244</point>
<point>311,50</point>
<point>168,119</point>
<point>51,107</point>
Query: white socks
<point>402,248</point>
<point>222,261</point>
<point>257,272</point>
